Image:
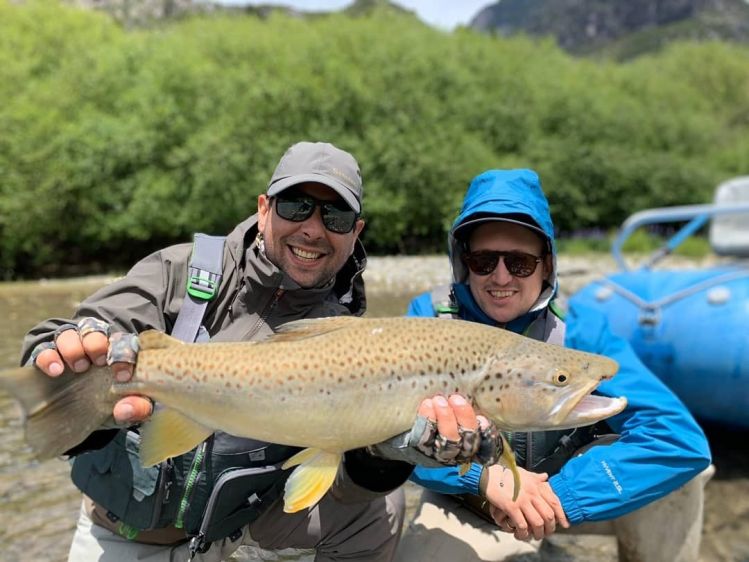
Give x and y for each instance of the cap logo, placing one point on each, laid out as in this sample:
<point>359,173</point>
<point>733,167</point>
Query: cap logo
<point>342,174</point>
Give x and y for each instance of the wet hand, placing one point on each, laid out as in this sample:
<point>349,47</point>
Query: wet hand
<point>454,433</point>
<point>537,511</point>
<point>86,344</point>
<point>452,429</point>
<point>132,409</point>
<point>76,351</point>
<point>450,414</point>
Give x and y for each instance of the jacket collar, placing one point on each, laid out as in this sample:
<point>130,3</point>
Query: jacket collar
<point>468,309</point>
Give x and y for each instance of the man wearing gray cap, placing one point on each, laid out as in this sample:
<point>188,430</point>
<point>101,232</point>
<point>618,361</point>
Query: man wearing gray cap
<point>298,257</point>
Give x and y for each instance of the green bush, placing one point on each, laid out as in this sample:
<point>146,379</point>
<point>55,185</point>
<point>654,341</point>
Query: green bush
<point>115,142</point>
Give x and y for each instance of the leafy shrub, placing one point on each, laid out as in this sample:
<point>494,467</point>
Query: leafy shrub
<point>115,142</point>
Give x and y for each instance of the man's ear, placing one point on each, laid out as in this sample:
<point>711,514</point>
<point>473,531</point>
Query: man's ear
<point>548,266</point>
<point>263,211</point>
<point>358,227</point>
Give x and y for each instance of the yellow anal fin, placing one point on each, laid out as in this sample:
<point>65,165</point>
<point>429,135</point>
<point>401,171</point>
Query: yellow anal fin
<point>311,479</point>
<point>508,459</point>
<point>169,434</point>
<point>153,339</point>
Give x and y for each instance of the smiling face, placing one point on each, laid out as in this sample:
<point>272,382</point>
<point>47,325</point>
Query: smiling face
<point>306,251</point>
<point>500,295</point>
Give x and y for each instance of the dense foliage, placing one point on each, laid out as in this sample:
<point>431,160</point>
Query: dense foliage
<point>114,142</point>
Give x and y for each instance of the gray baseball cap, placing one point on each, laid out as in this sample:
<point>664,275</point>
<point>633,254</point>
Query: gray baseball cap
<point>319,162</point>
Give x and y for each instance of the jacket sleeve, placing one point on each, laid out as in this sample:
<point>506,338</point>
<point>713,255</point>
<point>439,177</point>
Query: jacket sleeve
<point>660,447</point>
<point>421,306</point>
<point>448,480</point>
<point>149,296</point>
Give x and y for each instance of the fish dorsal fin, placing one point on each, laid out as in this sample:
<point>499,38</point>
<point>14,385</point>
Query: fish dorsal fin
<point>154,339</point>
<point>311,479</point>
<point>303,329</point>
<point>169,433</point>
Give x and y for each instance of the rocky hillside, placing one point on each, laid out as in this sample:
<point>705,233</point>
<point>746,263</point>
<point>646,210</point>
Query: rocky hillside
<point>623,28</point>
<point>133,13</point>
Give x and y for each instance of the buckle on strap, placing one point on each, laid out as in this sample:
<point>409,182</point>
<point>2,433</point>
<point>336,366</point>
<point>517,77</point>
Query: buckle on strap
<point>202,284</point>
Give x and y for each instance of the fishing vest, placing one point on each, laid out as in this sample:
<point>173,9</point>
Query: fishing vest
<point>537,451</point>
<point>212,491</point>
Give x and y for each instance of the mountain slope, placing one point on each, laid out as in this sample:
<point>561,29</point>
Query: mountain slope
<point>622,27</point>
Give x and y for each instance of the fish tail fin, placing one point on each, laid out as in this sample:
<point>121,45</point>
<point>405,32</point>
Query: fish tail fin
<point>311,479</point>
<point>508,459</point>
<point>59,412</point>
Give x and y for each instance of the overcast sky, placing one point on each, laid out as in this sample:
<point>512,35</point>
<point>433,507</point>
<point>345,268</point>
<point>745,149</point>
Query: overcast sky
<point>440,13</point>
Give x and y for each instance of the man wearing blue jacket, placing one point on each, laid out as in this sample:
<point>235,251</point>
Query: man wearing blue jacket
<point>641,485</point>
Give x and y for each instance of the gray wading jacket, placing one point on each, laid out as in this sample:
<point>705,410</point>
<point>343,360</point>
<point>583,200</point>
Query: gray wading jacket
<point>254,299</point>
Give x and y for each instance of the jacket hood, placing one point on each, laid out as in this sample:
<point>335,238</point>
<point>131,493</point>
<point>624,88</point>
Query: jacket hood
<point>505,195</point>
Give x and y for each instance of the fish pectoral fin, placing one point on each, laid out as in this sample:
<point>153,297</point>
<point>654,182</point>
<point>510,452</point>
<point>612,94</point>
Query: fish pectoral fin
<point>169,433</point>
<point>508,459</point>
<point>303,329</point>
<point>311,479</point>
<point>464,467</point>
<point>153,339</point>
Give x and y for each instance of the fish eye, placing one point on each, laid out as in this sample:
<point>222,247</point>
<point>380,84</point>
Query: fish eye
<point>561,378</point>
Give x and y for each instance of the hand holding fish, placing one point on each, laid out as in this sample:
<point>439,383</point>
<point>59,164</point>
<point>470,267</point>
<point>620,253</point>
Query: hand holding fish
<point>85,344</point>
<point>459,435</point>
<point>535,513</point>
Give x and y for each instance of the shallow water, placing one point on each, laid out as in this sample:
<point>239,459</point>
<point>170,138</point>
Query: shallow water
<point>39,505</point>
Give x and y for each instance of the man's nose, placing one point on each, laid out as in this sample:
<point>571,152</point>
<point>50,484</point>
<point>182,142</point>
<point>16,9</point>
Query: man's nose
<point>313,226</point>
<point>500,274</point>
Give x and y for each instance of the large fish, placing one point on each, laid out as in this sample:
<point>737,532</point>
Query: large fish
<point>328,385</point>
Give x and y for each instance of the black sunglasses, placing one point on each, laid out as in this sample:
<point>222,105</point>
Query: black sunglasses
<point>336,215</point>
<point>519,264</point>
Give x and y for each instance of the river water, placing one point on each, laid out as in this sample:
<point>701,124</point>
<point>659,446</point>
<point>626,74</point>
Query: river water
<point>39,505</point>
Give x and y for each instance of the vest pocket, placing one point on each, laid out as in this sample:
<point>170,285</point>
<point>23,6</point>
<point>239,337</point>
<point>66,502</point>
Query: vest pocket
<point>114,478</point>
<point>238,498</point>
<point>239,478</point>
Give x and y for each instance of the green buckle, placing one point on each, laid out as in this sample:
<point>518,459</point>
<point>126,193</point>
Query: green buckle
<point>202,284</point>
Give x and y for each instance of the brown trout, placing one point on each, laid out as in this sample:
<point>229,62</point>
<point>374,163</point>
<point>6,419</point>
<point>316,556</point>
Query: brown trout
<point>328,385</point>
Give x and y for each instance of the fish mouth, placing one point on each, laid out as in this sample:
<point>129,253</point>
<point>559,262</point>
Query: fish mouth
<point>592,408</point>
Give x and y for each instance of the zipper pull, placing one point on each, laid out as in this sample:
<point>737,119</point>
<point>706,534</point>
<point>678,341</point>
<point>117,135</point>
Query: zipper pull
<point>198,545</point>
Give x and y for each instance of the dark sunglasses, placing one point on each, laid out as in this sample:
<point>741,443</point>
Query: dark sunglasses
<point>336,215</point>
<point>519,264</point>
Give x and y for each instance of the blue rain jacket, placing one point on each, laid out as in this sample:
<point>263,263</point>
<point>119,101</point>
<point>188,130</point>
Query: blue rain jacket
<point>661,446</point>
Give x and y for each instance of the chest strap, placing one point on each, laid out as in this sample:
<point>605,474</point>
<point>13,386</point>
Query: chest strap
<point>203,281</point>
<point>443,302</point>
<point>549,327</point>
